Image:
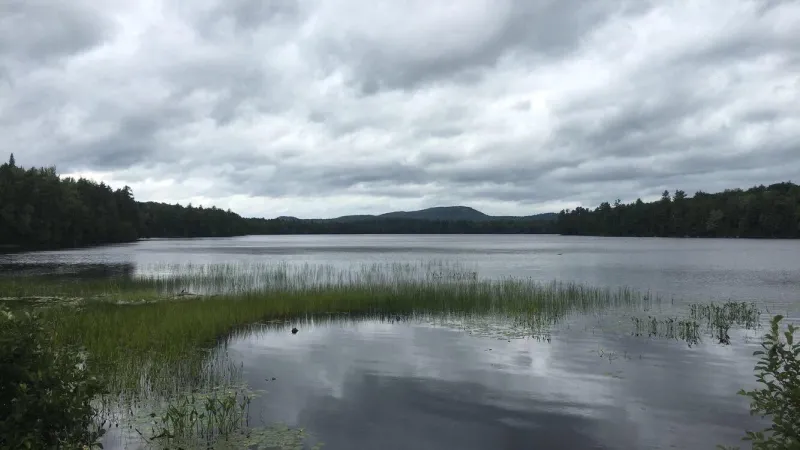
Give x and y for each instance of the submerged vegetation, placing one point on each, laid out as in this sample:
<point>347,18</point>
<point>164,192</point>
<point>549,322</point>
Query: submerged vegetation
<point>714,319</point>
<point>670,328</point>
<point>200,420</point>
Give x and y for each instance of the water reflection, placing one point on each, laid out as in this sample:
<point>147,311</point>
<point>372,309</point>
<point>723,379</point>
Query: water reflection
<point>377,384</point>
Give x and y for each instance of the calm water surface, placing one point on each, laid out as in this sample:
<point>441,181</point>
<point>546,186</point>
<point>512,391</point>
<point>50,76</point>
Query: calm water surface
<point>694,269</point>
<point>383,385</point>
<point>374,384</point>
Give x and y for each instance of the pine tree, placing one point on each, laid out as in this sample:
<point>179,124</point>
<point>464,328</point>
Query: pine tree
<point>11,161</point>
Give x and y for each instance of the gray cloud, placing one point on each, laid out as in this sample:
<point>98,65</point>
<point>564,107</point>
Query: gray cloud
<point>132,141</point>
<point>242,16</point>
<point>318,109</point>
<point>36,32</point>
<point>543,30</point>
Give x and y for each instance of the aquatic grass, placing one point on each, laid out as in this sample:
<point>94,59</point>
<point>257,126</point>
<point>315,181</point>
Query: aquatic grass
<point>715,320</point>
<point>158,337</point>
<point>687,330</point>
<point>201,420</point>
<point>136,341</point>
<point>163,280</point>
<point>720,318</point>
<point>40,287</point>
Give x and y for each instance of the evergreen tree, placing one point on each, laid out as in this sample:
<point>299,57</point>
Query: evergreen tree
<point>759,212</point>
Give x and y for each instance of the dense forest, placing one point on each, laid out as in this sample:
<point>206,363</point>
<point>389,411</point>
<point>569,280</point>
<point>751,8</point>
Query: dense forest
<point>40,210</point>
<point>759,212</point>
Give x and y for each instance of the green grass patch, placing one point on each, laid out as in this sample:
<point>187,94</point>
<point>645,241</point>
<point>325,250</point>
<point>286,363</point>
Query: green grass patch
<point>144,331</point>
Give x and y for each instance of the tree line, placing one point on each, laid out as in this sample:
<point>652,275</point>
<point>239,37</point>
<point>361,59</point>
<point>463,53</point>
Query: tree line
<point>40,210</point>
<point>400,226</point>
<point>759,212</point>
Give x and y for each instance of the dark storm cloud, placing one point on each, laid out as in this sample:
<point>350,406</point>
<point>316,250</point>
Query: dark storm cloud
<point>334,107</point>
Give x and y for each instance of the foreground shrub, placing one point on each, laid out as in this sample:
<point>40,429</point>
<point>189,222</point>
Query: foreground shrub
<point>778,373</point>
<point>45,393</point>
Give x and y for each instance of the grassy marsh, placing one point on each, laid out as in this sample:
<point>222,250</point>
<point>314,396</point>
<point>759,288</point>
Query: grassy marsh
<point>137,328</point>
<point>158,338</point>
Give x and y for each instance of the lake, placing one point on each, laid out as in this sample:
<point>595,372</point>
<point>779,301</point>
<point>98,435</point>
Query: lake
<point>418,383</point>
<point>692,269</point>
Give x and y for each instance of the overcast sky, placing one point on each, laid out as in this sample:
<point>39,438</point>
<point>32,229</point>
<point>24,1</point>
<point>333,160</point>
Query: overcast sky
<point>319,108</point>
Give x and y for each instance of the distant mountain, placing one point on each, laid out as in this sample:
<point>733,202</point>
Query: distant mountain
<point>442,213</point>
<point>439,213</point>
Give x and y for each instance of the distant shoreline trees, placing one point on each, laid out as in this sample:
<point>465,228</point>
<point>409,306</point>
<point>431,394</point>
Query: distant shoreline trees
<point>759,212</point>
<point>40,210</point>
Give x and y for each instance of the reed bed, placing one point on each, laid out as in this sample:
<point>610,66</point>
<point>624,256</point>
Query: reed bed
<point>158,338</point>
<point>164,320</point>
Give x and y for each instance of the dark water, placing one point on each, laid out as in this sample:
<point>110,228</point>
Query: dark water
<point>381,385</point>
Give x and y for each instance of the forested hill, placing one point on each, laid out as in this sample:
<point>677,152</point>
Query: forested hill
<point>442,213</point>
<point>759,212</point>
<point>40,210</point>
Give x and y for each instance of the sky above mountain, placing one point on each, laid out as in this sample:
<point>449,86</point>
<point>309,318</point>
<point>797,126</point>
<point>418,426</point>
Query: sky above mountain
<point>330,107</point>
